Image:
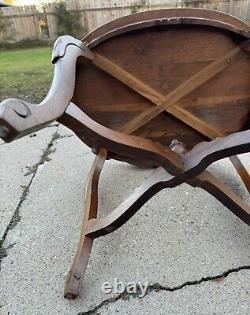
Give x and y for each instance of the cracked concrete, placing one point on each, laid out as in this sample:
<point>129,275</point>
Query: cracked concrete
<point>152,288</point>
<point>228,297</point>
<point>14,159</point>
<point>46,155</point>
<point>192,250</point>
<point>16,217</point>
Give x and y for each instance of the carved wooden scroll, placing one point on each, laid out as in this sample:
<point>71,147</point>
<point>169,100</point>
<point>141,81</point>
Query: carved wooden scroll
<point>18,118</point>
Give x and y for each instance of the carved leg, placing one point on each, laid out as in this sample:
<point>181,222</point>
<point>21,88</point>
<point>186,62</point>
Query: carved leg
<point>160,180</point>
<point>99,227</point>
<point>73,280</point>
<point>242,171</point>
<point>224,194</point>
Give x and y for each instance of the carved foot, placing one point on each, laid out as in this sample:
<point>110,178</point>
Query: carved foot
<point>77,271</point>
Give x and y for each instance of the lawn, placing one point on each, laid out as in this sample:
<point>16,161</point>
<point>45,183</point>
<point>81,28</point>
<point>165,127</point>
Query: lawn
<point>25,73</point>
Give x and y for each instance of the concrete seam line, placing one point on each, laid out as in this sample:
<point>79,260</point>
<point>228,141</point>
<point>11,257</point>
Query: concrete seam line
<point>158,288</point>
<point>16,218</point>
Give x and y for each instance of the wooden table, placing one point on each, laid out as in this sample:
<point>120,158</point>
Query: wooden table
<point>167,89</point>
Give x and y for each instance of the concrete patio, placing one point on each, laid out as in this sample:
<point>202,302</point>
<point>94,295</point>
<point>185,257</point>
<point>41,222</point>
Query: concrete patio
<point>193,251</point>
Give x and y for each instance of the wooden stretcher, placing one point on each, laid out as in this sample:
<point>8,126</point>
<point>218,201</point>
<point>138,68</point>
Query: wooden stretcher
<point>168,89</point>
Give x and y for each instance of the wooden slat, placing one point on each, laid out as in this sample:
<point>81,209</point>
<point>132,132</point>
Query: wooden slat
<point>168,103</point>
<point>164,102</point>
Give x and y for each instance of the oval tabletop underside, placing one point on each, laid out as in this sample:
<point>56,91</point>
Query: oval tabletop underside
<point>163,58</point>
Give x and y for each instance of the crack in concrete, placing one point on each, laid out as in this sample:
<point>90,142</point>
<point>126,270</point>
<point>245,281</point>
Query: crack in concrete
<point>53,125</point>
<point>46,156</point>
<point>16,218</point>
<point>32,135</point>
<point>3,251</point>
<point>158,288</point>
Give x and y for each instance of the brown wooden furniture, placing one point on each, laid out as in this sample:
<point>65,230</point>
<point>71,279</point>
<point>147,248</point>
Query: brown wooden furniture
<point>152,89</point>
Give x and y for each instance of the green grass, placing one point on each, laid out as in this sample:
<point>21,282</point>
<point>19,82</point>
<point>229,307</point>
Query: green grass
<point>25,73</point>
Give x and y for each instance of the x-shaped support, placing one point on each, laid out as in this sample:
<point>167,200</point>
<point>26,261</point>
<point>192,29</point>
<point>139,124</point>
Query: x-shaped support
<point>98,227</point>
<point>169,103</point>
<point>188,168</point>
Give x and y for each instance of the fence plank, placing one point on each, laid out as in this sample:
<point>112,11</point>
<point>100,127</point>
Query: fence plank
<point>24,22</point>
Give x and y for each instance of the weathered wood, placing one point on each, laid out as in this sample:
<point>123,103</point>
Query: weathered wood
<point>21,23</point>
<point>25,21</point>
<point>97,35</point>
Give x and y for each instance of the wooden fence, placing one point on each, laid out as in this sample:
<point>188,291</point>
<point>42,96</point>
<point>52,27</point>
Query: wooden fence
<point>29,22</point>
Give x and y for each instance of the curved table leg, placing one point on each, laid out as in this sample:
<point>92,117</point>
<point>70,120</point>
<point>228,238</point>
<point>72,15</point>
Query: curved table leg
<point>242,171</point>
<point>78,268</point>
<point>224,194</point>
<point>158,181</point>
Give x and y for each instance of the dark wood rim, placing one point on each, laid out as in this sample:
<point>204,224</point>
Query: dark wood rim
<point>167,17</point>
